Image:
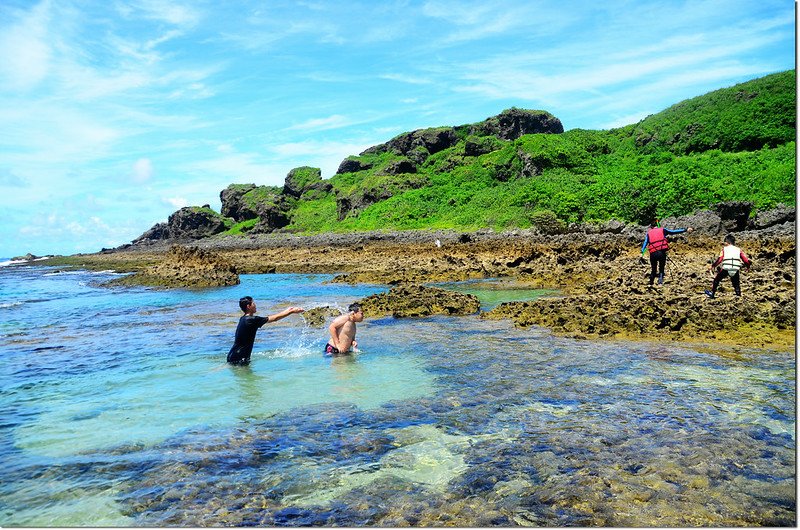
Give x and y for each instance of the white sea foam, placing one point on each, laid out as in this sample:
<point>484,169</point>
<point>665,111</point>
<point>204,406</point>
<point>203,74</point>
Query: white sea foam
<point>7,305</point>
<point>59,273</point>
<point>5,262</point>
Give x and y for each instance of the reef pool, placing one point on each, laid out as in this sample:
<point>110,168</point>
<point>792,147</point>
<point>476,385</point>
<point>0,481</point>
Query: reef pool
<point>119,410</point>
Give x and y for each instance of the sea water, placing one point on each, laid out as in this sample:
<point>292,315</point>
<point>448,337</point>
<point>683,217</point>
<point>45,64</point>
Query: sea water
<point>119,410</point>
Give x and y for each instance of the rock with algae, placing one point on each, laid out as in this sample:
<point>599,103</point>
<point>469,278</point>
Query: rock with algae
<point>185,267</point>
<point>419,301</point>
<point>425,456</point>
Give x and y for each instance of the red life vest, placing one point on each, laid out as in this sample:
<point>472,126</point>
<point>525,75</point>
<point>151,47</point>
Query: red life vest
<point>656,239</point>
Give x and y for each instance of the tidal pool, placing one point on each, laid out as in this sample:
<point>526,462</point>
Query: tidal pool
<point>122,412</point>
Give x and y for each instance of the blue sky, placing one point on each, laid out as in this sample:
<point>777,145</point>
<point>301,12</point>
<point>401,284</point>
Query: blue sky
<point>116,113</point>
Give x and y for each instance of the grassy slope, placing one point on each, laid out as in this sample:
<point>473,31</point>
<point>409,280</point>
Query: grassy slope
<point>735,143</point>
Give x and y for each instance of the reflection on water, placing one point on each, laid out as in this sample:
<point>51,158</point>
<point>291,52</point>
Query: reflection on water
<point>131,417</point>
<point>494,292</point>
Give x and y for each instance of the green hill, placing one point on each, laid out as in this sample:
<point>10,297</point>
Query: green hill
<point>733,144</point>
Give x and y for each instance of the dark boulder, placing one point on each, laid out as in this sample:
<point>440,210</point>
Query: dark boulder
<point>778,215</point>
<point>188,223</point>
<point>192,222</point>
<point>425,141</point>
<point>159,232</point>
<point>232,204</point>
<point>301,179</point>
<point>352,165</point>
<point>513,123</point>
<point>734,214</point>
<point>272,216</point>
<point>398,167</point>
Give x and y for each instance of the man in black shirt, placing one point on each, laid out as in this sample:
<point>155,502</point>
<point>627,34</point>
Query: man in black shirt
<point>248,325</point>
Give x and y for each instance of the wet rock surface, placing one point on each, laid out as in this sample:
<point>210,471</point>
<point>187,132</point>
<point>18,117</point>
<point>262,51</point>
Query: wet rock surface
<point>317,316</point>
<point>185,267</point>
<point>612,297</point>
<point>501,456</point>
<point>597,269</point>
<point>420,301</point>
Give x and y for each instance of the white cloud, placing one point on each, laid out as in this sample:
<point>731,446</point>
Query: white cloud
<point>405,78</point>
<point>25,49</point>
<point>142,171</point>
<point>592,73</point>
<point>8,178</point>
<point>238,168</point>
<point>175,202</point>
<point>325,155</point>
<point>167,11</point>
<point>320,124</point>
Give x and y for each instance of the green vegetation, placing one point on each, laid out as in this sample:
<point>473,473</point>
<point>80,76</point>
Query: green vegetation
<point>261,195</point>
<point>733,144</point>
<point>240,228</point>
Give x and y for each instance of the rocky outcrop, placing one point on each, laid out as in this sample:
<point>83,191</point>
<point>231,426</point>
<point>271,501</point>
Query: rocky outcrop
<point>481,145</point>
<point>419,301</point>
<point>26,257</point>
<point>769,218</point>
<point>187,223</point>
<point>380,190</point>
<point>595,268</point>
<point>508,125</point>
<point>353,165</point>
<point>317,316</point>
<point>300,180</point>
<point>232,204</point>
<point>513,123</point>
<point>421,141</point>
<point>185,267</point>
<point>608,296</point>
<point>734,214</point>
<point>398,167</point>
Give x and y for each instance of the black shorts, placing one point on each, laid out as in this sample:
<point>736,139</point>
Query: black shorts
<point>330,350</point>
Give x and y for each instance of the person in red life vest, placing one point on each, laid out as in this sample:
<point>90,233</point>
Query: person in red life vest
<point>656,242</point>
<point>729,263</point>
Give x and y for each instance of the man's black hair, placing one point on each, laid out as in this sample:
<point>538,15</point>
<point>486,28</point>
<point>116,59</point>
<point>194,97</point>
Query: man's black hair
<point>354,308</point>
<point>244,302</point>
<point>730,239</point>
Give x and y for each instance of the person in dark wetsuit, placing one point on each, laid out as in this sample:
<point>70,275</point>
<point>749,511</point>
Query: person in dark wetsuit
<point>247,328</point>
<point>656,242</point>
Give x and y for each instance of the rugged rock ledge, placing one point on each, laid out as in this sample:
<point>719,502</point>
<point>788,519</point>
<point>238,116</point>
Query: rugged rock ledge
<point>598,272</point>
<point>419,301</point>
<point>185,267</point>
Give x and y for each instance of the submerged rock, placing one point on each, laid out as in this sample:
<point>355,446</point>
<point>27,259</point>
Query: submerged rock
<point>316,316</point>
<point>185,267</point>
<point>419,301</point>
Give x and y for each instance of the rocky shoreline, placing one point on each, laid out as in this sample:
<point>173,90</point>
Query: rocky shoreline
<point>602,282</point>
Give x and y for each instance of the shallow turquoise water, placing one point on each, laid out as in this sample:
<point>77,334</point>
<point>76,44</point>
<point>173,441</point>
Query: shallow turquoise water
<point>119,410</point>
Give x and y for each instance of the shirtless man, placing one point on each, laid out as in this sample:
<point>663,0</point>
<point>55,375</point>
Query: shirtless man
<point>343,331</point>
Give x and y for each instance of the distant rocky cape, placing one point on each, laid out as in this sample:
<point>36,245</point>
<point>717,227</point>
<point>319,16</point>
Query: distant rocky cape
<point>271,204</point>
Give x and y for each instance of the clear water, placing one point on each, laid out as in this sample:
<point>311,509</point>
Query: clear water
<point>119,410</point>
